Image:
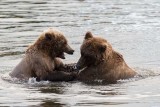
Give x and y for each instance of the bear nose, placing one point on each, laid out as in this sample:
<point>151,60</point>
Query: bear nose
<point>71,52</point>
<point>77,66</point>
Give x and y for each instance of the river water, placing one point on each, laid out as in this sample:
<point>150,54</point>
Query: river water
<point>131,26</point>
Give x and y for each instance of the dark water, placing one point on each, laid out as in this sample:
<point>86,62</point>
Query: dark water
<point>131,26</point>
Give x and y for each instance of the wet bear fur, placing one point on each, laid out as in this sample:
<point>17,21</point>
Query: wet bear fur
<point>100,62</point>
<point>42,59</point>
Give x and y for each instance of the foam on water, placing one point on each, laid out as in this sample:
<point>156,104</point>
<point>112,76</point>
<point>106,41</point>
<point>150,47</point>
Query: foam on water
<point>76,93</point>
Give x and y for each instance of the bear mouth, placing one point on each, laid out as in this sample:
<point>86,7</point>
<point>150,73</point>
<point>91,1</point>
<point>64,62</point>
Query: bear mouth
<point>61,55</point>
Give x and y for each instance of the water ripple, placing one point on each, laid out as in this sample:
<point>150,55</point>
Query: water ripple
<point>132,27</point>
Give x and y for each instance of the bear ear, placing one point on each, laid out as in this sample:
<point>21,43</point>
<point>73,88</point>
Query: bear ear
<point>103,48</point>
<point>48,36</point>
<point>88,35</point>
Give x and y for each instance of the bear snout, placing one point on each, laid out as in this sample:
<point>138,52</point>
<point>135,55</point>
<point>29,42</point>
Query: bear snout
<point>69,50</point>
<point>78,67</point>
<point>80,64</point>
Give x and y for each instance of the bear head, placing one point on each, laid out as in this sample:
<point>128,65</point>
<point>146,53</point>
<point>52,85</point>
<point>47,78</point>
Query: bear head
<point>94,50</point>
<point>53,43</point>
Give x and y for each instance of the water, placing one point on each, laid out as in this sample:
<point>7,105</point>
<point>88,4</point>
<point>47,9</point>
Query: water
<point>131,26</point>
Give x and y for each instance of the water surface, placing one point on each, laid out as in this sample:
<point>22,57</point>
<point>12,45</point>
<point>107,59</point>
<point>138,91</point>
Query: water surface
<point>131,26</point>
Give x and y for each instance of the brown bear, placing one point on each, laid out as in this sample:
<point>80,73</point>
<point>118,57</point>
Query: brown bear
<point>42,59</point>
<point>99,61</point>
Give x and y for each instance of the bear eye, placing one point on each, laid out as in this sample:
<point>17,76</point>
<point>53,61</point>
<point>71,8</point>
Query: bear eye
<point>90,59</point>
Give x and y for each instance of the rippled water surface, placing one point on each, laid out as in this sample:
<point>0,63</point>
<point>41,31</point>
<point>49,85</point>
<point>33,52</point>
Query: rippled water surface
<point>131,26</point>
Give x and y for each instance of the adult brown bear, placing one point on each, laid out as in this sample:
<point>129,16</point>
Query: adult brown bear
<point>99,61</point>
<point>42,59</point>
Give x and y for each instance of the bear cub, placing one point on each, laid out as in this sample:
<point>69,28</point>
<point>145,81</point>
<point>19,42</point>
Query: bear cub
<point>42,59</point>
<point>99,61</point>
